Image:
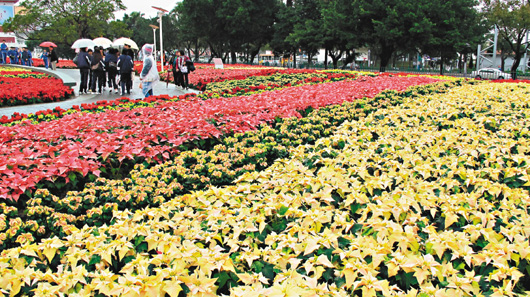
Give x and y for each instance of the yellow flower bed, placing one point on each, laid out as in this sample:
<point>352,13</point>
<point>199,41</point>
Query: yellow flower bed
<point>428,198</point>
<point>16,69</point>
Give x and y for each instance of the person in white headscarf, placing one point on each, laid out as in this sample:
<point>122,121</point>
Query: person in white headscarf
<point>149,75</point>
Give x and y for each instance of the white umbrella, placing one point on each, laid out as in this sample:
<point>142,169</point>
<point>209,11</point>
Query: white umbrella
<point>123,41</point>
<point>102,41</point>
<point>81,43</point>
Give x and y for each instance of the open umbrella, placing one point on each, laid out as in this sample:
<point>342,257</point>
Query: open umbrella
<point>48,44</point>
<point>81,43</point>
<point>102,41</point>
<point>123,41</point>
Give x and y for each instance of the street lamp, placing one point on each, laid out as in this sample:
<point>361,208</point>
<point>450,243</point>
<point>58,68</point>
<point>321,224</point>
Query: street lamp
<point>160,13</point>
<point>154,38</point>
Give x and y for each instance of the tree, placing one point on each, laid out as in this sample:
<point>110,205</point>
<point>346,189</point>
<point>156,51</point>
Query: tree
<point>512,18</point>
<point>340,31</point>
<point>308,28</point>
<point>137,23</point>
<point>284,26</point>
<point>457,24</point>
<point>63,21</point>
<point>436,26</point>
<point>248,24</point>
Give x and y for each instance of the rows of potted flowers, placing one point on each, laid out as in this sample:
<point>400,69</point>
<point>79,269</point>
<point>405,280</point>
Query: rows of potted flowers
<point>410,199</point>
<point>189,170</point>
<point>19,87</point>
<point>62,63</point>
<point>79,144</point>
<point>234,88</point>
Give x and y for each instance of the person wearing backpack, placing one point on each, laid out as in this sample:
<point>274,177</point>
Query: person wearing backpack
<point>125,66</point>
<point>111,61</point>
<point>83,64</point>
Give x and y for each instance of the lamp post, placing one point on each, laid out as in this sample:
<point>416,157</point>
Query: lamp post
<point>160,13</point>
<point>154,38</point>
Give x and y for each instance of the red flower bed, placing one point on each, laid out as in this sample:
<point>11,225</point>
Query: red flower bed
<point>60,64</point>
<point>85,142</point>
<point>28,90</point>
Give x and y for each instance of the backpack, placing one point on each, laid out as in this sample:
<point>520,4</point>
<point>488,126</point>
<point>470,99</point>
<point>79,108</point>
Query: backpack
<point>190,65</point>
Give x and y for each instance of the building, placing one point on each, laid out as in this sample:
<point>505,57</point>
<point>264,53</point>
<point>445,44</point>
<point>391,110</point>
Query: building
<point>8,10</point>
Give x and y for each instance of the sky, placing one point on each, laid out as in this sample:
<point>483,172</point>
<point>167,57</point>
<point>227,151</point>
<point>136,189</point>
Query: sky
<point>145,7</point>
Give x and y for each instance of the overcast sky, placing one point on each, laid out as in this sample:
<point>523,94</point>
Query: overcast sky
<point>145,7</point>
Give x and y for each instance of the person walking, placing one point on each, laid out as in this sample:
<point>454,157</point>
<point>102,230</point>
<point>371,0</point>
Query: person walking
<point>53,58</point>
<point>182,62</point>
<point>125,66</point>
<point>3,51</point>
<point>111,62</point>
<point>98,70</point>
<point>44,57</point>
<point>149,75</point>
<point>83,63</point>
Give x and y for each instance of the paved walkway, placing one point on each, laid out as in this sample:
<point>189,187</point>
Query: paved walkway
<point>136,93</point>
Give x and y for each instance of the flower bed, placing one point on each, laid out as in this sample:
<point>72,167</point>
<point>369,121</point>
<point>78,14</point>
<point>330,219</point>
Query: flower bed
<point>66,64</point>
<point>221,89</point>
<point>410,200</point>
<point>19,88</point>
<point>81,143</point>
<point>189,170</point>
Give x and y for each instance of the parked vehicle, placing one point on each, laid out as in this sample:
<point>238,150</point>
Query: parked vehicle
<point>490,73</point>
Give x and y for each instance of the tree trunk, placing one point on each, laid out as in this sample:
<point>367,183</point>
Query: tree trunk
<point>516,62</point>
<point>386,55</point>
<point>233,57</point>
<point>326,59</point>
<point>441,65</point>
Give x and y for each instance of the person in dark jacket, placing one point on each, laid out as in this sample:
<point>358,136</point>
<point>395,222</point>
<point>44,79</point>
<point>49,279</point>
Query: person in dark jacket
<point>111,61</point>
<point>98,71</point>
<point>13,55</point>
<point>125,64</point>
<point>83,63</point>
<point>25,56</point>
<point>53,58</point>
<point>127,50</point>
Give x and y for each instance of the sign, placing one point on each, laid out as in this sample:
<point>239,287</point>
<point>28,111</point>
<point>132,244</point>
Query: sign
<point>6,12</point>
<point>218,63</point>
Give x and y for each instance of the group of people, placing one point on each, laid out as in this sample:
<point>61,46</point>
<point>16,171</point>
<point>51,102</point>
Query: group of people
<point>181,65</point>
<point>13,55</point>
<point>50,58</point>
<point>98,68</point>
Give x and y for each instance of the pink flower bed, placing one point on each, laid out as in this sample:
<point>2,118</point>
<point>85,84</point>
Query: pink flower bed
<point>84,143</point>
